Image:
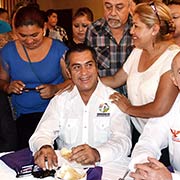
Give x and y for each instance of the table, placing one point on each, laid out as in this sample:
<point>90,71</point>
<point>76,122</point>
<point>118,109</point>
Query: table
<point>111,171</point>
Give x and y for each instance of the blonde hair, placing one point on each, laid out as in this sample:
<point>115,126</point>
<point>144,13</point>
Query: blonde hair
<point>156,12</point>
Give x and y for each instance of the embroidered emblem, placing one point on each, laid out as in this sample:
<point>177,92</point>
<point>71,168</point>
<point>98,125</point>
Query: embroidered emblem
<point>103,108</point>
<point>175,135</point>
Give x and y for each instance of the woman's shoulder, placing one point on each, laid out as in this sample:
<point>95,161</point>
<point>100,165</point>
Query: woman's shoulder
<point>57,42</point>
<point>10,44</point>
<point>135,54</point>
<point>58,46</point>
<point>8,48</point>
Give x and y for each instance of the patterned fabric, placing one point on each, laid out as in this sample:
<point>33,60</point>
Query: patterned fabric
<point>57,33</point>
<point>110,55</point>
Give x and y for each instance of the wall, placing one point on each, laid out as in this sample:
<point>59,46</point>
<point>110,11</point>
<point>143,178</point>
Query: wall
<point>95,5</point>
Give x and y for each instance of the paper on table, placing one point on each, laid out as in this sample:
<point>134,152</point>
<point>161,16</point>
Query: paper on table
<point>115,170</point>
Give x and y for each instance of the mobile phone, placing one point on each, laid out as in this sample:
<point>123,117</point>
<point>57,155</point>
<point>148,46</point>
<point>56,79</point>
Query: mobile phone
<point>29,89</point>
<point>25,170</point>
<point>37,172</point>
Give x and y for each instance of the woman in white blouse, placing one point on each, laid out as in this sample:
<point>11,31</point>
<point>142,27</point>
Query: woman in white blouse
<point>151,92</point>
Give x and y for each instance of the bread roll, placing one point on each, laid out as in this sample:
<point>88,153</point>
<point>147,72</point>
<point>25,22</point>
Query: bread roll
<point>66,153</point>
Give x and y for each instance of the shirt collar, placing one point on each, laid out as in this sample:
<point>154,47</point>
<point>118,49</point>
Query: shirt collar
<point>97,92</point>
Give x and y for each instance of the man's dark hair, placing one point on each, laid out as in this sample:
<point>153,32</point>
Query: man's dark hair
<point>2,10</point>
<point>49,12</point>
<point>80,48</point>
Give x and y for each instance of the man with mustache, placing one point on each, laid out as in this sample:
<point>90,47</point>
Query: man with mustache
<point>110,37</point>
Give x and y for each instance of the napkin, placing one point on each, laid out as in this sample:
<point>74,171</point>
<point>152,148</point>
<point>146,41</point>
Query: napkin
<point>18,159</point>
<point>94,173</point>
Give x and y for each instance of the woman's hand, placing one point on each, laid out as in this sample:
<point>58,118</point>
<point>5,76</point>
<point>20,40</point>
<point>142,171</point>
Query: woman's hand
<point>121,101</point>
<point>65,86</point>
<point>47,90</point>
<point>15,87</point>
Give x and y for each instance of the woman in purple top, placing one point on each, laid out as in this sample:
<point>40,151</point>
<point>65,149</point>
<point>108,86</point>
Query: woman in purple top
<point>33,71</point>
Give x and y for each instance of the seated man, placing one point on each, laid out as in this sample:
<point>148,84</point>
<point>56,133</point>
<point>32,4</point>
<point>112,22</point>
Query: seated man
<point>158,134</point>
<point>84,119</point>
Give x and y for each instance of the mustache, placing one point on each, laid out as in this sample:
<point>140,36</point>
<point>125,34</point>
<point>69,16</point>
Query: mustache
<point>113,18</point>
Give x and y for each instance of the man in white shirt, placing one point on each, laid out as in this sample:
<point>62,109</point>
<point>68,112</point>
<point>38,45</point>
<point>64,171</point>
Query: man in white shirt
<point>158,134</point>
<point>84,119</point>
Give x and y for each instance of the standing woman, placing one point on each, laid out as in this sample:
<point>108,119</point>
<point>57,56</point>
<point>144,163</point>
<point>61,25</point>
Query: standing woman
<point>82,18</point>
<point>151,92</point>
<point>33,69</point>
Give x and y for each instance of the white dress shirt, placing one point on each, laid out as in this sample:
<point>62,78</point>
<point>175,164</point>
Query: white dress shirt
<point>158,134</point>
<point>99,124</point>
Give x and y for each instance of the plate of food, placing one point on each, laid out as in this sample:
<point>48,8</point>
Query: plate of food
<point>67,172</point>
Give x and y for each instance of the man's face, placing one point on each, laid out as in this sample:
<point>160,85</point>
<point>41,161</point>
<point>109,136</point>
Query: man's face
<point>83,71</point>
<point>4,17</point>
<point>175,11</point>
<point>53,19</point>
<point>116,12</point>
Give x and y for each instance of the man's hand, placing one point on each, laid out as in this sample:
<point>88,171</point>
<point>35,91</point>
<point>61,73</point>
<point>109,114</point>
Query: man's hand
<point>84,154</point>
<point>152,170</point>
<point>46,158</point>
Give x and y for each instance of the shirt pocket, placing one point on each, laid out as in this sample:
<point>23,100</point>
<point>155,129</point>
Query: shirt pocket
<point>69,131</point>
<point>102,129</point>
<point>103,54</point>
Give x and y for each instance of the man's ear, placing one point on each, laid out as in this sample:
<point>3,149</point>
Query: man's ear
<point>173,78</point>
<point>68,73</point>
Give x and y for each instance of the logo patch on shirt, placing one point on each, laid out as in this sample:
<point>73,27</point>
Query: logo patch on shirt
<point>103,108</point>
<point>175,135</point>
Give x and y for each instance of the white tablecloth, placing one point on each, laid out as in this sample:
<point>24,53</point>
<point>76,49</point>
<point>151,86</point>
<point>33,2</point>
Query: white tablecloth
<point>111,171</point>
